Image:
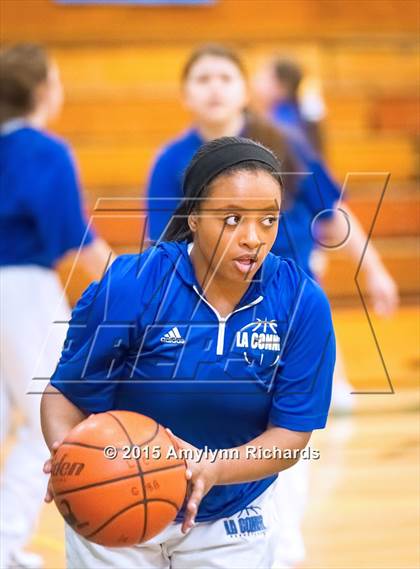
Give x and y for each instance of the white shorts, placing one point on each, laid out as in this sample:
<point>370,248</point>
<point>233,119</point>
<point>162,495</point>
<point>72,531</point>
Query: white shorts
<point>242,541</point>
<point>33,325</point>
<point>31,303</point>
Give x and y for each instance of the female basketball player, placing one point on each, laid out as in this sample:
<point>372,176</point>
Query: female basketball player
<point>254,368</point>
<point>276,88</point>
<point>40,221</point>
<point>215,92</point>
<point>276,92</point>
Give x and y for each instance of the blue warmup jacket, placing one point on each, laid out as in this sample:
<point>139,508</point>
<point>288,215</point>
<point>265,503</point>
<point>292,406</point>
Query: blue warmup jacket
<point>145,339</point>
<point>41,217</point>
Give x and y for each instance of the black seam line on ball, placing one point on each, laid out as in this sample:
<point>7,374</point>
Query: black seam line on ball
<point>140,470</point>
<point>139,503</point>
<point>127,477</point>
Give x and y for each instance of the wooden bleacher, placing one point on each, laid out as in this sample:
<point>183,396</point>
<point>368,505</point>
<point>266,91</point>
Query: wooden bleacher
<point>121,66</point>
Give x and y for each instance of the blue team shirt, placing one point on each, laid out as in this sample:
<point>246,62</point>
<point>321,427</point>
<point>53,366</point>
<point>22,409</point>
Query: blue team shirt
<point>40,210</point>
<point>145,339</point>
<point>316,194</point>
<point>287,114</point>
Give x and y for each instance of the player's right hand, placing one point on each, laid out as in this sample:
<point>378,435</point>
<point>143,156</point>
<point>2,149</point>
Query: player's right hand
<point>202,476</point>
<point>47,470</point>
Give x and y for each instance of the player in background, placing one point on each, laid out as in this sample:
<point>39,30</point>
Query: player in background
<point>215,92</point>
<point>283,94</point>
<point>41,219</point>
<point>214,279</point>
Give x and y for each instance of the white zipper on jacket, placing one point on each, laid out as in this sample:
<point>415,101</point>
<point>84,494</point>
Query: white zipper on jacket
<point>222,321</point>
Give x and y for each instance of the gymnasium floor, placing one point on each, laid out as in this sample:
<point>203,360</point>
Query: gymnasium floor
<point>364,498</point>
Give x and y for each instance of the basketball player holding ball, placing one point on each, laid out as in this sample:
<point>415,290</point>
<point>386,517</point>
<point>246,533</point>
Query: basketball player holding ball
<point>225,344</point>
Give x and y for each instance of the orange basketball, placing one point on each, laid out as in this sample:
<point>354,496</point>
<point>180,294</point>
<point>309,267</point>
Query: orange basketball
<point>124,500</point>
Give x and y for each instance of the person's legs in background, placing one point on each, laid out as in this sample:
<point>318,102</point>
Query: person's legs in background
<point>342,401</point>
<point>30,347</point>
<point>290,496</point>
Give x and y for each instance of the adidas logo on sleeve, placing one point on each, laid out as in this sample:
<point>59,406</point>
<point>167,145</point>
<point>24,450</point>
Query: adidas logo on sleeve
<point>172,337</point>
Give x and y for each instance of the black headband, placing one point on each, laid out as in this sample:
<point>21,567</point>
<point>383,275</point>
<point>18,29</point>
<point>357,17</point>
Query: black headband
<point>218,160</point>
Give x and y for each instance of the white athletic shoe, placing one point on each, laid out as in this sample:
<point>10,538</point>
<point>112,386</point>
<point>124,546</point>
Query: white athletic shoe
<point>24,560</point>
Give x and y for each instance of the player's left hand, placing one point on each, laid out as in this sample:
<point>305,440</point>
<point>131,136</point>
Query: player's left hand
<point>202,476</point>
<point>383,291</point>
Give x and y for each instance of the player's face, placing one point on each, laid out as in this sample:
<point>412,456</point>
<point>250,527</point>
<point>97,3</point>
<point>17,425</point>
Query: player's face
<point>267,90</point>
<point>264,86</point>
<point>215,90</point>
<point>236,225</point>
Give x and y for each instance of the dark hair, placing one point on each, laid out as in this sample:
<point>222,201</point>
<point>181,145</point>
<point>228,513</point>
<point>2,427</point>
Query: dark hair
<point>22,68</point>
<point>215,50</point>
<point>265,132</point>
<point>178,229</point>
<point>289,74</point>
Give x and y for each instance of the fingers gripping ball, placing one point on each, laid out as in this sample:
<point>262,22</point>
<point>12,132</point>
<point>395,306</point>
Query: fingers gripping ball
<point>120,500</point>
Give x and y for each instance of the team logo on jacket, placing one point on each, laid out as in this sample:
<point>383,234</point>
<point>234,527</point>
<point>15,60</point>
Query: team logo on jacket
<point>172,337</point>
<point>259,340</point>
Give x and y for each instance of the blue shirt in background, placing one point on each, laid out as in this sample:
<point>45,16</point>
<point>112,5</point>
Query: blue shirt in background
<point>287,114</point>
<point>41,216</point>
<point>145,339</point>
